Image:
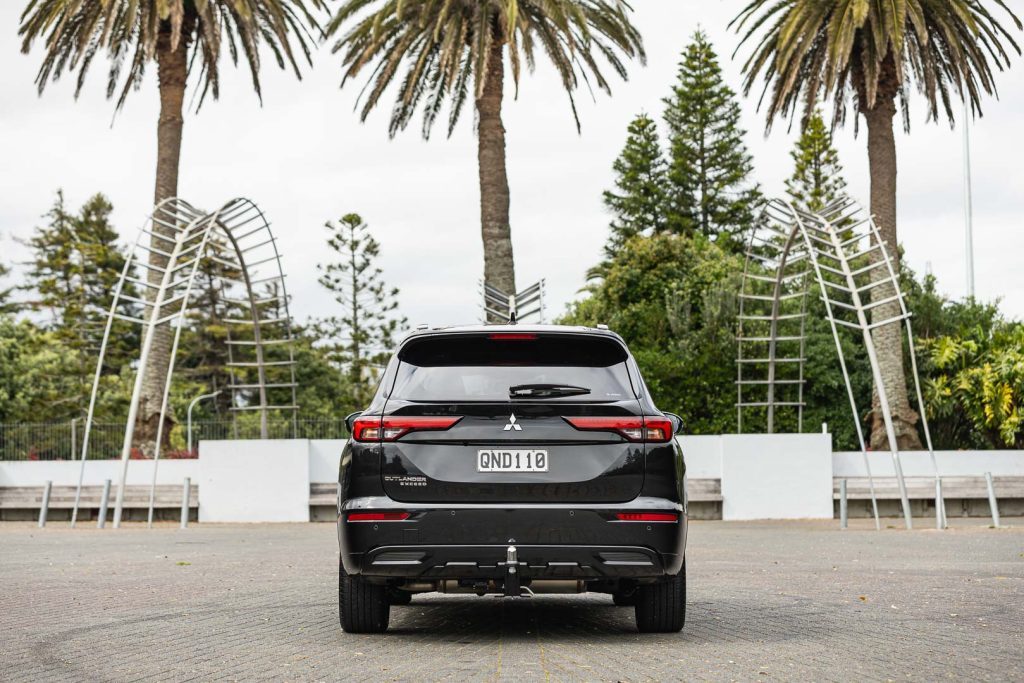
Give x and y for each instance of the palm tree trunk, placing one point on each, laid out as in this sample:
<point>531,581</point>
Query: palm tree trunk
<point>499,267</point>
<point>889,338</point>
<point>172,67</point>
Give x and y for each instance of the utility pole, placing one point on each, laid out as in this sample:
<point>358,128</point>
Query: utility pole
<point>968,217</point>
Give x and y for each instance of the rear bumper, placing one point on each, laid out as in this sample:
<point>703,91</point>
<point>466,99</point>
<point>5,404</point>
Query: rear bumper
<point>535,562</point>
<point>471,541</point>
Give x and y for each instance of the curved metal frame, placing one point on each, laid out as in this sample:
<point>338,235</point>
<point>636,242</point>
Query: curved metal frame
<point>772,252</point>
<point>844,239</point>
<point>189,234</point>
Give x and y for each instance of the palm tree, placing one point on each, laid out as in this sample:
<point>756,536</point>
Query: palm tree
<point>177,35</point>
<point>453,48</point>
<point>867,52</point>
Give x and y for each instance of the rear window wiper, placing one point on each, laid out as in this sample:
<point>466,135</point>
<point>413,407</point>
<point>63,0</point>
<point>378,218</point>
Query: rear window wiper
<point>545,390</point>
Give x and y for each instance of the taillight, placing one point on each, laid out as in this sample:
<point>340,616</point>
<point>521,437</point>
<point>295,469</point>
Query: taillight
<point>655,429</point>
<point>646,516</point>
<point>391,428</point>
<point>378,516</point>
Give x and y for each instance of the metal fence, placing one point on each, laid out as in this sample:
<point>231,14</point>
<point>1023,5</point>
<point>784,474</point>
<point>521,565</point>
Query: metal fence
<point>63,440</point>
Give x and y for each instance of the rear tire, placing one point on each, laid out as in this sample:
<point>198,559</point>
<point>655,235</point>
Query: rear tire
<point>363,607</point>
<point>661,607</point>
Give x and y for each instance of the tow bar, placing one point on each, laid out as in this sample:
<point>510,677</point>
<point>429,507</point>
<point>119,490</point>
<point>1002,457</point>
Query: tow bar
<point>513,589</point>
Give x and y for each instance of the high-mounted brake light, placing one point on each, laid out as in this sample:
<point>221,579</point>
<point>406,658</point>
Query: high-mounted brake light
<point>646,516</point>
<point>378,516</point>
<point>512,336</point>
<point>653,429</point>
<point>392,428</point>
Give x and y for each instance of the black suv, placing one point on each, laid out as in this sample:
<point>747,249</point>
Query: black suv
<point>514,460</point>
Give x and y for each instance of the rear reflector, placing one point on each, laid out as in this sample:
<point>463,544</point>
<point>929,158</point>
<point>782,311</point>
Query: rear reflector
<point>654,429</point>
<point>392,428</point>
<point>512,336</point>
<point>378,516</point>
<point>646,516</point>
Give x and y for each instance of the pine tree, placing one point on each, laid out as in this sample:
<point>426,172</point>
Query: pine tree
<point>76,263</point>
<point>817,179</point>
<point>710,186</point>
<point>7,307</point>
<point>638,202</point>
<point>364,334</point>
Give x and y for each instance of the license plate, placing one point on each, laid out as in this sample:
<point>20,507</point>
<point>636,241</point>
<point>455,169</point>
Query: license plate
<point>501,460</point>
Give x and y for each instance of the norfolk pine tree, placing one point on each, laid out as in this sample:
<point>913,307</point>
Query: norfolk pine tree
<point>817,179</point>
<point>7,306</point>
<point>637,203</point>
<point>364,334</point>
<point>710,185</point>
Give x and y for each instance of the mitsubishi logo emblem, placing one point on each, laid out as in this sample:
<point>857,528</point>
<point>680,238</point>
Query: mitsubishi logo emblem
<point>512,424</point>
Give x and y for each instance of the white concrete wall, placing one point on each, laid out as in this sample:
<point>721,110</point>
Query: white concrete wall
<point>776,476</point>
<point>324,458</point>
<point>254,481</point>
<point>703,456</point>
<point>65,472</point>
<point>919,464</point>
<point>780,476</point>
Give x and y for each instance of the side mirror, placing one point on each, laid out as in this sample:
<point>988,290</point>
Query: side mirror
<point>677,422</point>
<point>350,420</point>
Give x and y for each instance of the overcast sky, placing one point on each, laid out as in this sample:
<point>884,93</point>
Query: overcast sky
<point>305,158</point>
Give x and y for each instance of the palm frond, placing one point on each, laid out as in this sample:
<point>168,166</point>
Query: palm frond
<point>130,32</point>
<point>444,48</point>
<point>860,50</point>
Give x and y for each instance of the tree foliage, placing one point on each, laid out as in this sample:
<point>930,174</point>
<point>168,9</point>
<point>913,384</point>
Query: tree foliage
<point>976,387</point>
<point>203,354</point>
<point>637,203</point>
<point>672,298</point>
<point>75,265</point>
<point>32,365</point>
<point>7,306</point>
<point>817,179</point>
<point>710,186</point>
<point>363,334</point>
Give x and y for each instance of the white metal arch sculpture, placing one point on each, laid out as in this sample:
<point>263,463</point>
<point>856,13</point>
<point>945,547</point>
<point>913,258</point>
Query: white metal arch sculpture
<point>237,238</point>
<point>843,251</point>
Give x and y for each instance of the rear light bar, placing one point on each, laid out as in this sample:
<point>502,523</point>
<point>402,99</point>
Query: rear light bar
<point>392,428</point>
<point>646,516</point>
<point>378,516</point>
<point>650,429</point>
<point>512,336</point>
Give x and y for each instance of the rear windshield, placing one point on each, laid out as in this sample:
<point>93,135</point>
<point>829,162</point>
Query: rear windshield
<point>485,367</point>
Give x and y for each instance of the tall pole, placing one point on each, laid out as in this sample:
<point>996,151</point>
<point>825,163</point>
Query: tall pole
<point>968,211</point>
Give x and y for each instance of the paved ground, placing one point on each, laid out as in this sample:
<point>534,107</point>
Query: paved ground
<point>768,601</point>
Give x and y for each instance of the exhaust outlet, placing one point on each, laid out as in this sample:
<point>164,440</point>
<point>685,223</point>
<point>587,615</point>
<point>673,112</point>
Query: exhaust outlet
<point>419,587</point>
